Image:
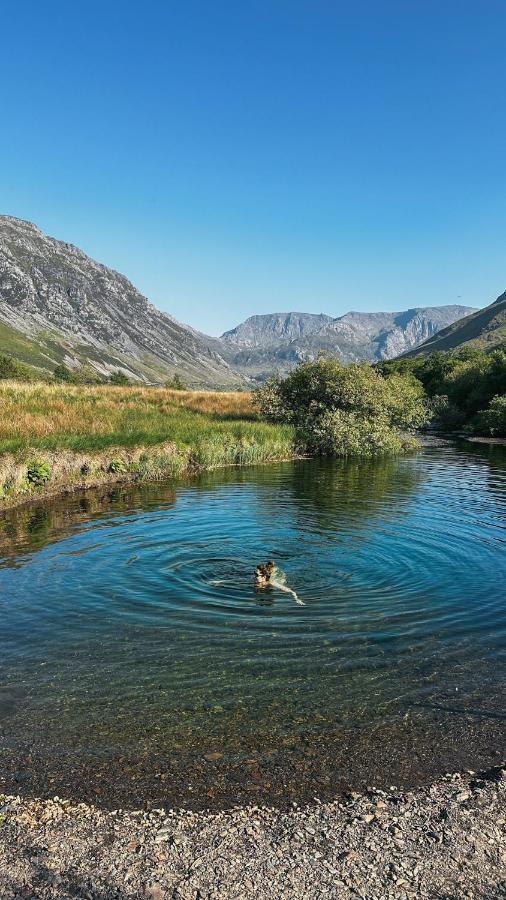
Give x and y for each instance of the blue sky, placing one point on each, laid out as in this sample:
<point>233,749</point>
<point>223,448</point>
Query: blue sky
<point>239,158</point>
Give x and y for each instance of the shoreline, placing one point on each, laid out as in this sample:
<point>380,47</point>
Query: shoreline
<point>149,465</point>
<point>219,772</point>
<point>445,839</point>
<point>179,467</point>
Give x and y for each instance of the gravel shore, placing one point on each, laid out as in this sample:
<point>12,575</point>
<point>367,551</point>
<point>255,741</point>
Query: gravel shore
<point>445,841</point>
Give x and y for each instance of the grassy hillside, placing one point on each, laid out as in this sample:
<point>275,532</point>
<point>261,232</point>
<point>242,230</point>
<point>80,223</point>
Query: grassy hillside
<point>49,349</point>
<point>482,330</point>
<point>54,435</point>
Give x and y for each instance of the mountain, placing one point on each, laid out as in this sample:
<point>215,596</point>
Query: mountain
<point>59,305</point>
<point>484,329</point>
<point>271,330</point>
<point>276,342</point>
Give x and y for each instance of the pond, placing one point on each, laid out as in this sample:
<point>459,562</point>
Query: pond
<point>139,664</point>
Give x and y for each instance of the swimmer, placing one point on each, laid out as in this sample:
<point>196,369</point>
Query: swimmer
<point>269,575</point>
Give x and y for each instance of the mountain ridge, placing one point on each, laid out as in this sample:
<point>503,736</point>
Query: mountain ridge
<point>352,337</point>
<point>77,310</point>
<point>484,329</point>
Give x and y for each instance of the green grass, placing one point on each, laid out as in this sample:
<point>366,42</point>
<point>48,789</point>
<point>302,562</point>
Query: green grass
<point>101,432</point>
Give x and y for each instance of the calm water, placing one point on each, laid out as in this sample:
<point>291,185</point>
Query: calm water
<point>131,629</point>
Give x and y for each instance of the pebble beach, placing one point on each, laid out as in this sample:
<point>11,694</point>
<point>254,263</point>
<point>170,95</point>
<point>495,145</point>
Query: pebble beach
<point>446,840</point>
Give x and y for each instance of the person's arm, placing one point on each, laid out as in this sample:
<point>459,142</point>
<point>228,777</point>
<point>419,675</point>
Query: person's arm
<point>287,590</point>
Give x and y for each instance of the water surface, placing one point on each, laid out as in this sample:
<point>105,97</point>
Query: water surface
<point>138,660</point>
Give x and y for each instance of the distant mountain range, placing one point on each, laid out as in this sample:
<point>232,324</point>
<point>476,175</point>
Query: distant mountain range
<point>263,344</point>
<point>484,329</point>
<point>58,305</point>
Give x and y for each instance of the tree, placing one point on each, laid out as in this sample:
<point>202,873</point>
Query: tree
<point>492,420</point>
<point>62,373</point>
<point>12,368</point>
<point>119,378</point>
<point>344,410</point>
<point>85,375</point>
<point>176,383</point>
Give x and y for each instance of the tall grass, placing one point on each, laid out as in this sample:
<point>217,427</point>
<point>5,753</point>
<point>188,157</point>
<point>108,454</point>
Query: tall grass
<point>93,418</point>
<point>136,431</point>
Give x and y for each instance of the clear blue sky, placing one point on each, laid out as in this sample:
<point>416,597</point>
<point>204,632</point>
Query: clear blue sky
<point>237,158</point>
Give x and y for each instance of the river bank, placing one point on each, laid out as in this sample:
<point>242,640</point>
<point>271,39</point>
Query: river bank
<point>60,438</point>
<point>447,839</point>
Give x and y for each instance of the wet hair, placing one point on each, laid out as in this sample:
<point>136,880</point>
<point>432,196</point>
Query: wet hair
<point>264,571</point>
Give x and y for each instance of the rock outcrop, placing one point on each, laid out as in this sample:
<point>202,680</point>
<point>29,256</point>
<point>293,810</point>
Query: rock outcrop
<point>267,343</point>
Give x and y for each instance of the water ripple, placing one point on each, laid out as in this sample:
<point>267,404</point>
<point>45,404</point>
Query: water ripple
<point>400,564</point>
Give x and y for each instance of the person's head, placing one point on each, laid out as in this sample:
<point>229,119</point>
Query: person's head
<point>270,567</point>
<point>261,575</point>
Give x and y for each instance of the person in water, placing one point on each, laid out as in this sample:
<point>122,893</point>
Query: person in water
<point>269,575</point>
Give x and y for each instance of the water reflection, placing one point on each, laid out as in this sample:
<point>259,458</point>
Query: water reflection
<point>130,622</point>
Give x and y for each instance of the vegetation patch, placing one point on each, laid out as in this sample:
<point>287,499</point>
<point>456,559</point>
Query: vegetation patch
<point>466,389</point>
<point>341,410</point>
<point>38,472</point>
<point>53,436</point>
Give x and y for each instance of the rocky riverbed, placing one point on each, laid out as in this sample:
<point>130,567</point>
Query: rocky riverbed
<point>445,841</point>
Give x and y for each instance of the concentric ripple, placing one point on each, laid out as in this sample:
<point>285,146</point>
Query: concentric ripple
<point>140,617</point>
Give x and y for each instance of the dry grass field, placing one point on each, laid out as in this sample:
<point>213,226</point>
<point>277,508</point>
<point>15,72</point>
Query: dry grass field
<point>56,433</point>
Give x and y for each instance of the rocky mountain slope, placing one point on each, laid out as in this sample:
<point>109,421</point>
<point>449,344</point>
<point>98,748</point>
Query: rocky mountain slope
<point>57,304</point>
<point>484,329</point>
<point>271,330</point>
<point>267,343</point>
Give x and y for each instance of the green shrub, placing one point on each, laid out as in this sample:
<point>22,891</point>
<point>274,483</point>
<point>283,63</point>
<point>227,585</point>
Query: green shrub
<point>85,375</point>
<point>119,379</point>
<point>12,368</point>
<point>344,410</point>
<point>469,378</point>
<point>62,373</point>
<point>444,414</point>
<point>38,472</point>
<point>116,466</point>
<point>176,383</point>
<point>492,420</point>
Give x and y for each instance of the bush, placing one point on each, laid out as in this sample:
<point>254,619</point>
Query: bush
<point>62,373</point>
<point>175,383</point>
<point>38,472</point>
<point>492,420</point>
<point>469,378</point>
<point>85,375</point>
<point>12,368</point>
<point>344,410</point>
<point>119,379</point>
<point>116,466</point>
<point>443,413</point>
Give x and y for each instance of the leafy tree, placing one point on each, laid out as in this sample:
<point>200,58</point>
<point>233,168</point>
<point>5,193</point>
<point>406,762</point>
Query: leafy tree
<point>12,368</point>
<point>62,373</point>
<point>85,375</point>
<point>176,383</point>
<point>344,410</point>
<point>492,420</point>
<point>460,385</point>
<point>119,378</point>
